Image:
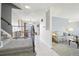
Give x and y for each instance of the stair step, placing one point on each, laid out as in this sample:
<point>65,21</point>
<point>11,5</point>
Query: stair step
<point>15,50</point>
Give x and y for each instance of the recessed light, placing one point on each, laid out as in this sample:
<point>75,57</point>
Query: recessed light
<point>70,29</point>
<point>70,21</point>
<point>28,7</point>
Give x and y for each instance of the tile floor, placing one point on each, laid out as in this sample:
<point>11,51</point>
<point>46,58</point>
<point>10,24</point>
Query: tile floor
<point>43,50</point>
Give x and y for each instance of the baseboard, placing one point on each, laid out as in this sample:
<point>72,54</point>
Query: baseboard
<point>1,44</point>
<point>46,44</point>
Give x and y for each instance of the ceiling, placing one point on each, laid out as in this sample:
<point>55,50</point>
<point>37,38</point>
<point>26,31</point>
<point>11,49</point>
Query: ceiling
<point>64,10</point>
<point>35,7</point>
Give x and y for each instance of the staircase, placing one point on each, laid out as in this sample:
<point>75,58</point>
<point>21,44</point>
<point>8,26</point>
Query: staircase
<point>23,51</point>
<point>18,47</point>
<point>13,47</point>
<point>5,38</point>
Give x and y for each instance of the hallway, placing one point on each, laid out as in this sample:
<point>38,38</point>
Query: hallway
<point>43,50</point>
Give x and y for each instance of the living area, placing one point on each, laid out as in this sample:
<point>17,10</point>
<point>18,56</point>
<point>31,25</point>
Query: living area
<point>65,36</point>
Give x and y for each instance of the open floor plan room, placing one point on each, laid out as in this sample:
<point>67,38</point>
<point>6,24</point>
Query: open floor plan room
<point>39,29</point>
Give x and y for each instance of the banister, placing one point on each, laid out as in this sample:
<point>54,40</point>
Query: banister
<point>5,21</point>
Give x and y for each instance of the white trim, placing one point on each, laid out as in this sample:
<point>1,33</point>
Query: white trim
<point>6,32</point>
<point>46,43</point>
<point>1,44</point>
<point>7,41</point>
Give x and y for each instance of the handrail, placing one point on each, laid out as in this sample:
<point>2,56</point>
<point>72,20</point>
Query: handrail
<point>32,37</point>
<point>5,21</point>
<point>18,26</point>
<point>33,42</point>
<point>6,32</point>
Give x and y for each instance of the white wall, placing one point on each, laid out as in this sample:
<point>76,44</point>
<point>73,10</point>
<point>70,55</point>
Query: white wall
<point>75,26</point>
<point>59,25</point>
<point>45,34</point>
<point>61,14</point>
<point>17,14</point>
<point>21,15</point>
<point>35,17</point>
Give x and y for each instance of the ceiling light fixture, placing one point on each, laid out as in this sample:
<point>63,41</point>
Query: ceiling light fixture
<point>70,21</point>
<point>27,7</point>
<point>70,29</point>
